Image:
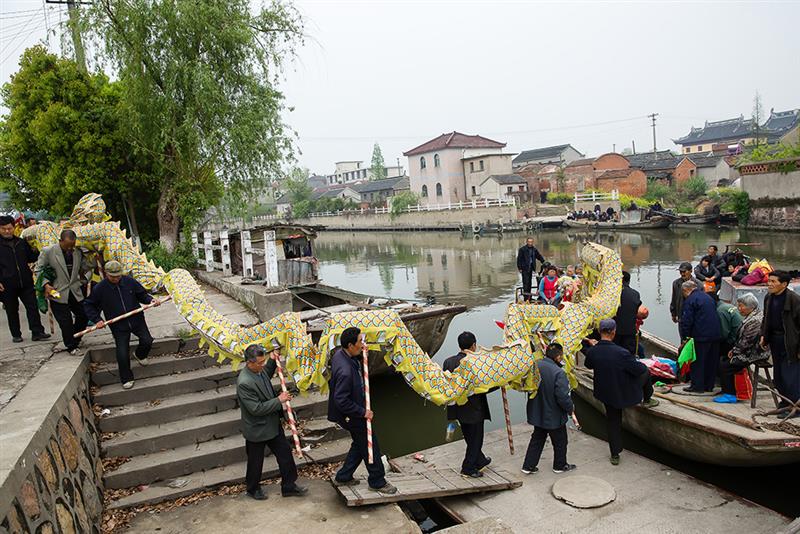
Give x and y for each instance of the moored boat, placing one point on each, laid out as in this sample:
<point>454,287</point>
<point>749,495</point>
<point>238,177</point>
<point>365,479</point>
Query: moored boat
<point>652,223</point>
<point>697,434</point>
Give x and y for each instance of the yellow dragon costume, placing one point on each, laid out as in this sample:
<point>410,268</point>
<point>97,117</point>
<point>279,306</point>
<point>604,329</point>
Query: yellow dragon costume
<point>527,327</point>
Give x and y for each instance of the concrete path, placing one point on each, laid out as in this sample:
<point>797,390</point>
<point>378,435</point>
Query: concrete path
<point>650,497</point>
<point>321,511</point>
<point>19,361</point>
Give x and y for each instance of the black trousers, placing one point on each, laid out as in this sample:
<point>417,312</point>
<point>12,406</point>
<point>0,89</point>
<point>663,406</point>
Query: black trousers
<point>614,427</point>
<point>558,437</point>
<point>122,339</point>
<point>474,459</point>
<point>703,372</point>
<point>786,372</point>
<point>527,280</point>
<point>627,342</point>
<point>63,314</point>
<point>280,447</point>
<point>358,453</point>
<point>10,298</point>
<point>727,370</point>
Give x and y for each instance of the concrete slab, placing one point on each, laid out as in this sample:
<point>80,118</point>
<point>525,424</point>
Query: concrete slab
<point>650,497</point>
<point>581,491</point>
<point>487,525</point>
<point>320,512</point>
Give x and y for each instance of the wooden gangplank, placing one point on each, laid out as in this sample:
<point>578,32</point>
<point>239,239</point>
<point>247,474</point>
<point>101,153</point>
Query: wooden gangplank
<point>428,484</point>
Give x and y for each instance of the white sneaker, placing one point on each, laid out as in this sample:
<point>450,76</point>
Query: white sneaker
<point>127,385</point>
<point>141,361</point>
<point>76,352</point>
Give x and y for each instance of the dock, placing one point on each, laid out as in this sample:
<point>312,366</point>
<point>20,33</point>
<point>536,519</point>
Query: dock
<point>650,497</point>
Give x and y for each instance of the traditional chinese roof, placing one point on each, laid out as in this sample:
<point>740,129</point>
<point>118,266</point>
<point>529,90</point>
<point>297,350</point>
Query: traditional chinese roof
<point>717,131</point>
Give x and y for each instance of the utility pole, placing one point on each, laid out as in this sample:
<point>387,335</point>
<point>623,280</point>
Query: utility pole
<point>74,26</point>
<point>652,117</point>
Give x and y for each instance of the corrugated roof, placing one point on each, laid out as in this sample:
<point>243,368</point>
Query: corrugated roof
<point>454,140</point>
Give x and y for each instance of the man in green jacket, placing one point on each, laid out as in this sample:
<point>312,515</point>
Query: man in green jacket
<point>261,424</point>
<point>730,321</point>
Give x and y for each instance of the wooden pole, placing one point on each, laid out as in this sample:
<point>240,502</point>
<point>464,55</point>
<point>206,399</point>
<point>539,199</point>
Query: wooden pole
<point>507,413</point>
<point>365,358</point>
<point>711,411</point>
<point>124,316</point>
<point>292,423</point>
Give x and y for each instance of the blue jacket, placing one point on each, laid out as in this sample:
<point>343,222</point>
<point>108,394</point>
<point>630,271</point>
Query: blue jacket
<point>346,399</point>
<point>552,404</point>
<point>617,374</point>
<point>699,319</point>
<point>114,300</point>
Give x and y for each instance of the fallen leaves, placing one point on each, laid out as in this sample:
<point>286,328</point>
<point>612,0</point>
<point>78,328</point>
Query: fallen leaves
<point>105,436</point>
<point>113,463</point>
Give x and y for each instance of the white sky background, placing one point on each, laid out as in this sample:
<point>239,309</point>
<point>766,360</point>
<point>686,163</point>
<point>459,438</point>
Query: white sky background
<point>526,73</point>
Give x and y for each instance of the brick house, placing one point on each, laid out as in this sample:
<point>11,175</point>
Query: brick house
<point>627,181</point>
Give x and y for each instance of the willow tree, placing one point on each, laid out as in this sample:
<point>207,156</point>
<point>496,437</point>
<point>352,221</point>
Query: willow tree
<point>200,80</point>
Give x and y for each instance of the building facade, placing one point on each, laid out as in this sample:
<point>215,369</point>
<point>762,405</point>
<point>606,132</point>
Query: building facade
<point>478,168</point>
<point>348,172</point>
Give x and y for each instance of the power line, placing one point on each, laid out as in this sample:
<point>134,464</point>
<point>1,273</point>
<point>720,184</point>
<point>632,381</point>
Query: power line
<point>17,34</point>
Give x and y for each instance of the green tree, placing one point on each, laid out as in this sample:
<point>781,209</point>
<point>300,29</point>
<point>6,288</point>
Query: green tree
<point>200,95</point>
<point>378,169</point>
<point>695,187</point>
<point>403,200</point>
<point>561,180</point>
<point>758,116</point>
<point>65,135</point>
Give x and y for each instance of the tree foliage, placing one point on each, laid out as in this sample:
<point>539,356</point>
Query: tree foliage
<point>402,200</point>
<point>65,135</point>
<point>378,166</point>
<point>695,187</point>
<point>200,95</point>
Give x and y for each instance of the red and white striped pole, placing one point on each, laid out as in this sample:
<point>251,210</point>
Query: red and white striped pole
<point>292,424</point>
<point>365,357</point>
<point>507,413</point>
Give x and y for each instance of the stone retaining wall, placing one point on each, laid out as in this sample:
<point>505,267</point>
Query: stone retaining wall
<point>50,467</point>
<point>775,218</point>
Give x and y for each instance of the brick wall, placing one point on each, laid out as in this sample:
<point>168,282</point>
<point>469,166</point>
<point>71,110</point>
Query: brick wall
<point>634,184</point>
<point>683,172</point>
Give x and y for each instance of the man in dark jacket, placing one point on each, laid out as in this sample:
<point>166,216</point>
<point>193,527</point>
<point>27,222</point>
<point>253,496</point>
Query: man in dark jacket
<point>526,265</point>
<point>699,321</point>
<point>347,408</point>
<point>114,296</point>
<point>470,415</point>
<point>780,330</point>
<point>676,304</point>
<point>261,411</point>
<point>16,282</point>
<point>620,381</point>
<point>629,302</point>
<point>548,412</point>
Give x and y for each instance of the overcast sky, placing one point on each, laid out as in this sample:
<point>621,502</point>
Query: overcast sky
<point>526,73</point>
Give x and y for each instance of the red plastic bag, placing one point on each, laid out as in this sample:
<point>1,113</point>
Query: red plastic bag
<point>744,387</point>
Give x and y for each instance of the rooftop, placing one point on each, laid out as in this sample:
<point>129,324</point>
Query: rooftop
<point>506,179</point>
<point>716,131</point>
<point>454,140</point>
<point>705,159</point>
<point>780,122</point>
<point>617,173</point>
<point>384,184</point>
<point>549,153</point>
<point>581,162</point>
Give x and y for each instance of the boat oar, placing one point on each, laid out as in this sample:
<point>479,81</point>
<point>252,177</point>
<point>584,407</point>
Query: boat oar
<point>365,358</point>
<point>292,423</point>
<point>711,411</point>
<point>124,316</point>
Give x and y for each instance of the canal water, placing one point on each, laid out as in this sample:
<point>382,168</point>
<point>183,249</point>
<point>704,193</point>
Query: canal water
<point>481,274</point>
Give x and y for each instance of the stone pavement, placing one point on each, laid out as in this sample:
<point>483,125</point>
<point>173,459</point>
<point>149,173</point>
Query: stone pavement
<point>321,511</point>
<point>20,361</point>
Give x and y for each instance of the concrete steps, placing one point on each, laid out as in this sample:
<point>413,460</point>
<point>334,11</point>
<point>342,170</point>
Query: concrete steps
<point>107,373</point>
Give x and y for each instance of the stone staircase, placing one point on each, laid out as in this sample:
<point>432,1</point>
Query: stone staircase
<point>550,210</point>
<point>179,426</point>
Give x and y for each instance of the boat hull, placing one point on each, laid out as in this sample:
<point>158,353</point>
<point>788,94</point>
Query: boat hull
<point>596,225</point>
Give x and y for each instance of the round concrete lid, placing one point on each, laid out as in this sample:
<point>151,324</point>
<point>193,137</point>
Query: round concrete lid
<point>584,492</point>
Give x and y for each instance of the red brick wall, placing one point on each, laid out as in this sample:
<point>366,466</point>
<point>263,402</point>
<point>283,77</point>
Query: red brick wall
<point>611,161</point>
<point>635,184</point>
<point>683,172</point>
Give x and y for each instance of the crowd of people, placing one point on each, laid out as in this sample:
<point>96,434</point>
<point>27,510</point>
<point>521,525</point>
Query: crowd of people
<point>597,214</point>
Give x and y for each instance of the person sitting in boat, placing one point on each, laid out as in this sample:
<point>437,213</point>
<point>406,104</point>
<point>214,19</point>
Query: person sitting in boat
<point>548,287</point>
<point>700,322</point>
<point>708,274</point>
<point>716,260</point>
<point>567,284</point>
<point>745,351</point>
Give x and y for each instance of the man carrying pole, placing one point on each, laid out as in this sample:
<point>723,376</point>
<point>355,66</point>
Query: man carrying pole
<point>261,423</point>
<point>347,408</point>
<point>470,415</point>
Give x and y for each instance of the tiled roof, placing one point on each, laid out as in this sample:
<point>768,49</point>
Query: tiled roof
<point>704,160</point>
<point>637,160</point>
<point>402,183</point>
<point>780,122</point>
<point>385,184</point>
<point>581,162</point>
<point>617,173</point>
<point>549,153</point>
<point>454,140</point>
<point>506,179</point>
<point>716,131</point>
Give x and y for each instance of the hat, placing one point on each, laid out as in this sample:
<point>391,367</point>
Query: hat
<point>114,268</point>
<point>608,325</point>
<point>685,266</point>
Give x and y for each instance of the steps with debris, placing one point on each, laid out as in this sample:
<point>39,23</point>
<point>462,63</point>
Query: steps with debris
<point>179,428</point>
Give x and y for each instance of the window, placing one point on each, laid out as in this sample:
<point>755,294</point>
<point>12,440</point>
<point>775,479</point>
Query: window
<point>522,188</point>
<point>473,191</point>
<point>424,191</point>
<point>436,161</point>
<point>480,165</point>
<point>691,172</point>
<point>471,166</point>
<point>438,190</point>
<point>700,148</point>
<point>687,150</point>
<point>509,189</point>
<point>422,162</point>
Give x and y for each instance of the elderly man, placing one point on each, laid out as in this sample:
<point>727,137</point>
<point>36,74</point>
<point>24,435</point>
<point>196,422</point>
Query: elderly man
<point>16,282</point>
<point>261,411</point>
<point>116,295</point>
<point>620,381</point>
<point>676,304</point>
<point>699,321</point>
<point>527,256</point>
<point>781,331</point>
<point>65,292</point>
<point>347,408</point>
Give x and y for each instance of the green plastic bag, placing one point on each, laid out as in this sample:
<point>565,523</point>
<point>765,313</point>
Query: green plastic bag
<point>686,357</point>
<point>45,277</point>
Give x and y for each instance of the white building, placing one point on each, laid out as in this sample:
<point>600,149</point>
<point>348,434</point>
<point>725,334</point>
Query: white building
<point>354,171</point>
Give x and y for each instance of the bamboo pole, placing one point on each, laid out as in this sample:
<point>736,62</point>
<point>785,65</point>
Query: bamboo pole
<point>711,411</point>
<point>292,422</point>
<point>507,413</point>
<point>124,316</point>
<point>365,358</point>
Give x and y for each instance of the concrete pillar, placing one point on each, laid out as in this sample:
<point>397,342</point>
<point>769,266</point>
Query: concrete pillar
<point>225,248</point>
<point>247,254</point>
<point>271,259</point>
<point>207,245</point>
<point>195,245</point>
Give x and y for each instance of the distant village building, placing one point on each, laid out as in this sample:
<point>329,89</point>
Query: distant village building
<point>783,126</point>
<point>345,192</point>
<point>559,154</point>
<point>608,172</point>
<point>378,191</point>
<point>780,126</point>
<point>503,186</point>
<point>436,167</point>
<point>316,181</point>
<point>283,205</point>
<point>714,169</point>
<point>354,171</point>
<point>477,169</point>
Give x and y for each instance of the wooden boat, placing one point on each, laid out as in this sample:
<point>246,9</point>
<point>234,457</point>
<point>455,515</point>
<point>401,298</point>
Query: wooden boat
<point>652,223</point>
<point>699,435</point>
<point>428,322</point>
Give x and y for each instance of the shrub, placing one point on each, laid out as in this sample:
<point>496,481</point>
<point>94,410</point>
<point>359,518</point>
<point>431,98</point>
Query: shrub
<point>658,191</point>
<point>403,200</point>
<point>181,258</point>
<point>625,201</point>
<point>695,187</point>
<point>560,198</point>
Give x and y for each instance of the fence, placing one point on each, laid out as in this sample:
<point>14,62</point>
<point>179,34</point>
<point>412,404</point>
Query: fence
<point>209,249</point>
<point>461,205</point>
<point>596,196</point>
